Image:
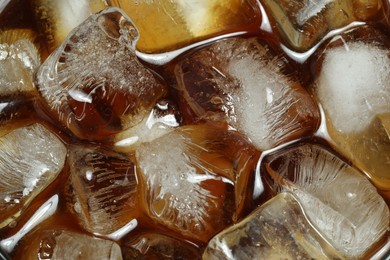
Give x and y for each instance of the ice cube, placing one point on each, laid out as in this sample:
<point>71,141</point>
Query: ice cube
<point>168,25</point>
<point>30,159</point>
<point>303,23</point>
<point>93,83</point>
<point>240,81</point>
<point>192,182</point>
<point>18,62</point>
<point>276,230</point>
<point>164,117</point>
<point>104,189</point>
<point>158,246</point>
<point>337,199</point>
<point>56,18</point>
<point>353,89</point>
<point>64,244</point>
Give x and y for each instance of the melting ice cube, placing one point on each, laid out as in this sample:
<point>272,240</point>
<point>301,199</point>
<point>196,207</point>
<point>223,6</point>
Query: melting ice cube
<point>337,199</point>
<point>276,230</point>
<point>354,92</point>
<point>64,244</point>
<point>93,83</point>
<point>189,177</point>
<point>30,159</point>
<point>104,189</point>
<point>158,246</point>
<point>239,80</point>
<point>303,23</point>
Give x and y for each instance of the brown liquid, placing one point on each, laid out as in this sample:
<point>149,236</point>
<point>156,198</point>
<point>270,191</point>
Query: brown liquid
<point>17,14</point>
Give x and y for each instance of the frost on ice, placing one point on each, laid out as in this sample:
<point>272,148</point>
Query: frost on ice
<point>239,80</point>
<point>338,200</point>
<point>104,189</point>
<point>30,159</point>
<point>276,230</point>
<point>353,88</point>
<point>190,178</point>
<point>93,83</point>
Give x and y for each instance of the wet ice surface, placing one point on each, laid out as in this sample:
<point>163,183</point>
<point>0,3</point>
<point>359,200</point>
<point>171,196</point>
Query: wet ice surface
<point>30,159</point>
<point>303,23</point>
<point>63,244</point>
<point>337,199</point>
<point>354,92</point>
<point>158,246</point>
<point>238,80</point>
<point>190,180</point>
<point>276,230</point>
<point>93,83</point>
<point>104,189</point>
<point>164,117</point>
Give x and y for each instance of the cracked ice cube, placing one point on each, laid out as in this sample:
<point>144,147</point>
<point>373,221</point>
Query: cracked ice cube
<point>93,84</point>
<point>193,182</point>
<point>239,80</point>
<point>303,23</point>
<point>276,230</point>
<point>30,159</point>
<point>337,199</point>
<point>353,89</point>
<point>104,189</point>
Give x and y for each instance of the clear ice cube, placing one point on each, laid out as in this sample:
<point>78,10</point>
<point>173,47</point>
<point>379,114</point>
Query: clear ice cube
<point>168,25</point>
<point>353,89</point>
<point>239,80</point>
<point>93,84</point>
<point>276,230</point>
<point>64,244</point>
<point>338,200</point>
<point>30,159</point>
<point>104,189</point>
<point>303,23</point>
<point>192,182</point>
<point>158,246</point>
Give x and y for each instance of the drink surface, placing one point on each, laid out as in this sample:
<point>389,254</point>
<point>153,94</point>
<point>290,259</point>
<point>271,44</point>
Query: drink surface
<point>162,173</point>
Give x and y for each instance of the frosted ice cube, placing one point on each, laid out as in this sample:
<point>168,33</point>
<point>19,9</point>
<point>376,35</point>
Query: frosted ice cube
<point>354,92</point>
<point>167,25</point>
<point>30,159</point>
<point>158,246</point>
<point>303,23</point>
<point>239,80</point>
<point>63,244</point>
<point>93,83</point>
<point>164,117</point>
<point>337,199</point>
<point>189,179</point>
<point>276,230</point>
<point>56,18</point>
<point>104,189</point>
